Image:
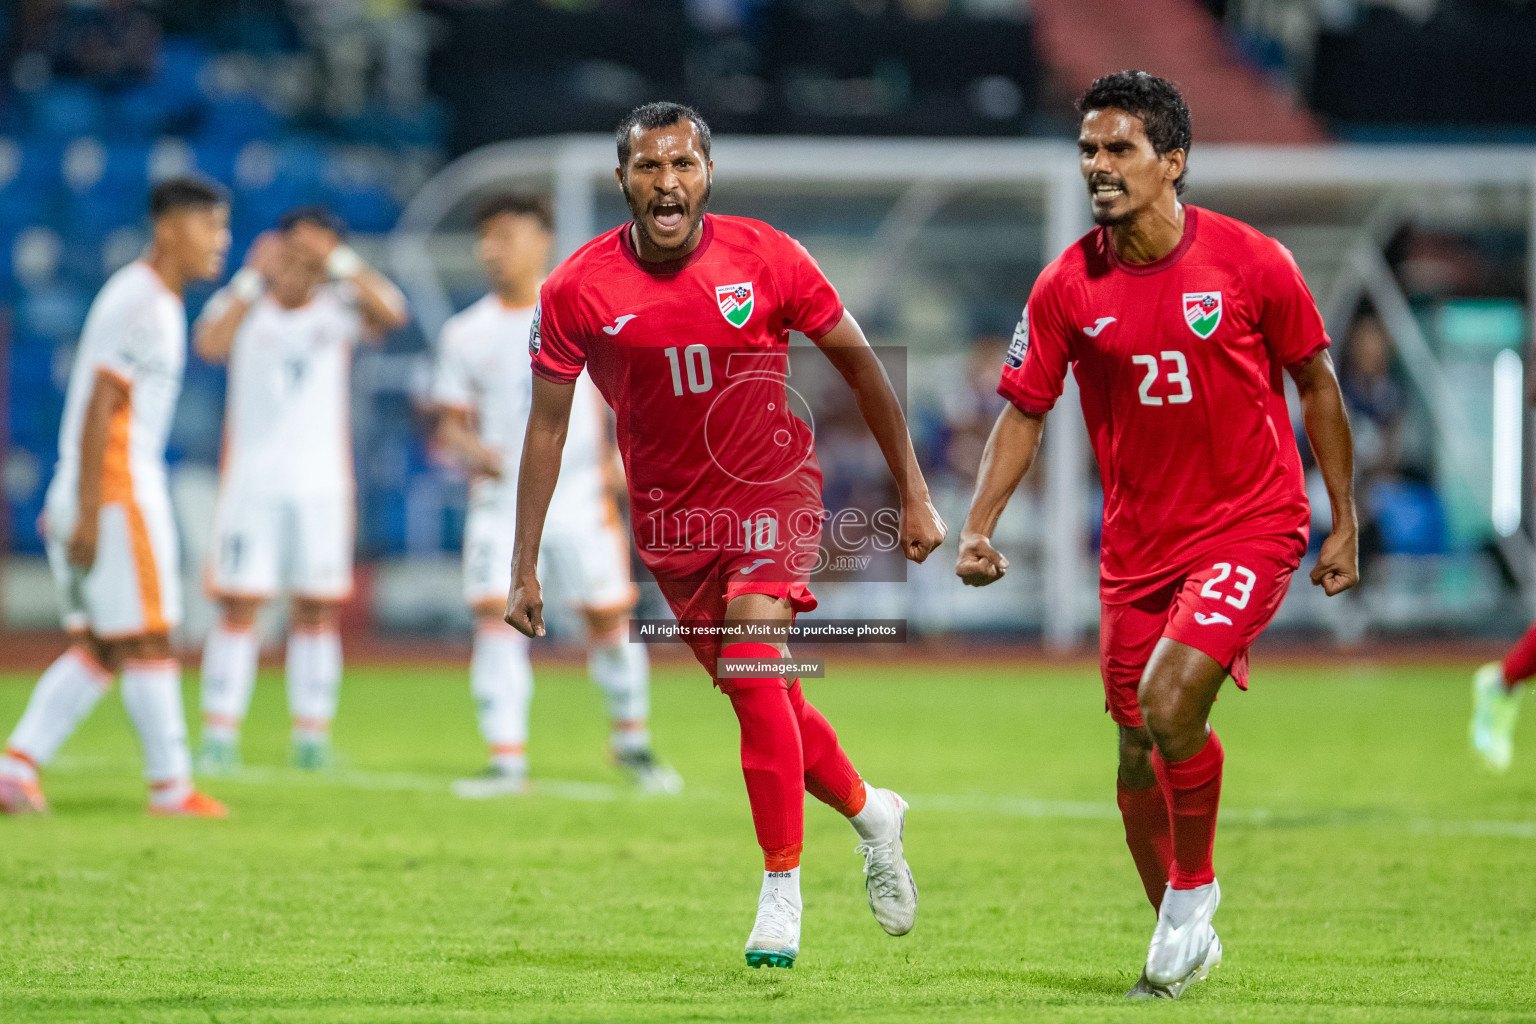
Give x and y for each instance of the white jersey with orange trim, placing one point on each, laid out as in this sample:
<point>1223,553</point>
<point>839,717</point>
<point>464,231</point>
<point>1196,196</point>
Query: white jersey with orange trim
<point>483,369</point>
<point>287,421</point>
<point>136,332</point>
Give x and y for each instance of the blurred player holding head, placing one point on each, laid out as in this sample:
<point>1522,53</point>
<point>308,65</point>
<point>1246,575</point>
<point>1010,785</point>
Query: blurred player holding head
<point>286,324</point>
<point>724,488</point>
<point>111,536</point>
<point>483,386</point>
<point>1177,323</point>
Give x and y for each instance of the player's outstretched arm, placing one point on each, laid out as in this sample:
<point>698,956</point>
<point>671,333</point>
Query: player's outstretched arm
<point>107,396</point>
<point>1009,453</point>
<point>845,346</point>
<point>542,445</point>
<point>214,334</point>
<point>1327,425</point>
<point>379,302</point>
<point>456,435</point>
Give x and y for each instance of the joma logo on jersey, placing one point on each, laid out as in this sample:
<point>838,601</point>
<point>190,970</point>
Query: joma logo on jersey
<point>735,302</point>
<point>1202,311</point>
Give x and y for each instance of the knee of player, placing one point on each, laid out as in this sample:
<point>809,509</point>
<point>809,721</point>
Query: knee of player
<point>1168,710</point>
<point>239,612</point>
<point>311,614</point>
<point>1135,756</point>
<point>148,647</point>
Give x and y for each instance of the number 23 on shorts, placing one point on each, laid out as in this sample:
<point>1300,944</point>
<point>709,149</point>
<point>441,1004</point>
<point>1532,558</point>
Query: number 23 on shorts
<point>1230,583</point>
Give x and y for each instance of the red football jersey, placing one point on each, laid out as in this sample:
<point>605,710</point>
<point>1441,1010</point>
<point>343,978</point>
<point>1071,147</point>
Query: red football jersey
<point>692,356</point>
<point>1179,366</point>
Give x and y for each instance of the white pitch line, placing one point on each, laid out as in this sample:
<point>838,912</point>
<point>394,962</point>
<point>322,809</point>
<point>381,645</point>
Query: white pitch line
<point>944,803</point>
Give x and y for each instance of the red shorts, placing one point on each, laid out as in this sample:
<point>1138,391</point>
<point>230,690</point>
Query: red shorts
<point>1219,609</point>
<point>784,543</point>
<point>731,575</point>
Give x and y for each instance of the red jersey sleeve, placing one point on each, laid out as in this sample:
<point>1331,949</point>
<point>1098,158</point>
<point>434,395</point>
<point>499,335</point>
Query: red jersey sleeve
<point>1288,317</point>
<point>1035,368</point>
<point>558,354</point>
<point>811,304</point>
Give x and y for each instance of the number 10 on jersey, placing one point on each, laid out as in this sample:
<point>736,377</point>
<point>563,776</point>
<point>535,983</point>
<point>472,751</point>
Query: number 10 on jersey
<point>696,360</point>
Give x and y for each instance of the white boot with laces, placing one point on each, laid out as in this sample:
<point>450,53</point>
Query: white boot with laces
<point>775,938</point>
<point>887,879</point>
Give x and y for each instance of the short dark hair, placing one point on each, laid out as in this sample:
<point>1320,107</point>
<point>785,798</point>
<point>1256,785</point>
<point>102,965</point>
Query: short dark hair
<point>515,204</point>
<point>658,115</point>
<point>315,214</point>
<point>1157,101</point>
<point>180,193</point>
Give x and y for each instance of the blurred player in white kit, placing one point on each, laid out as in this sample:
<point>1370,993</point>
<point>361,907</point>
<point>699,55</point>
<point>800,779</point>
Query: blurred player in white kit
<point>111,536</point>
<point>484,386</point>
<point>286,324</point>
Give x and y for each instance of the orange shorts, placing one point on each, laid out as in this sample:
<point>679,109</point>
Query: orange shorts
<point>1219,608</point>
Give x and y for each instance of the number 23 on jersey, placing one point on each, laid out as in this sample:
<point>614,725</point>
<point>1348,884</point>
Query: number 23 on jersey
<point>1172,367</point>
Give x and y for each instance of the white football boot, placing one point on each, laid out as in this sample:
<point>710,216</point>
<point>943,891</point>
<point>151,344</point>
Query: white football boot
<point>1184,946</point>
<point>887,879</point>
<point>775,938</point>
<point>1495,710</point>
<point>649,774</point>
<point>491,783</point>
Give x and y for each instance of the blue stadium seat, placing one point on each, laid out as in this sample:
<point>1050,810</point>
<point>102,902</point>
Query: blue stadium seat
<point>1410,517</point>
<point>55,311</point>
<point>22,205</point>
<point>367,208</point>
<point>33,394</point>
<point>257,210</point>
<point>302,162</point>
<point>216,159</point>
<point>66,110</point>
<point>39,163</point>
<point>238,119</point>
<point>178,86</point>
<point>137,114</point>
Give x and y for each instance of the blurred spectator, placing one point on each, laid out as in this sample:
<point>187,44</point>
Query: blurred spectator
<point>1400,511</point>
<point>110,43</point>
<point>358,41</point>
<point>971,409</point>
<point>1375,400</point>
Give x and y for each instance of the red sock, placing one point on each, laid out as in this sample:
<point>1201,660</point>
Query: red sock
<point>829,776</point>
<point>1193,791</point>
<point>1520,662</point>
<point>1149,836</point>
<point>771,760</point>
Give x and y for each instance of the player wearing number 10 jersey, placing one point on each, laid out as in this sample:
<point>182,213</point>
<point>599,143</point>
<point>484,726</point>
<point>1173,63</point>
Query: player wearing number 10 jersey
<point>1177,323</point>
<point>683,319</point>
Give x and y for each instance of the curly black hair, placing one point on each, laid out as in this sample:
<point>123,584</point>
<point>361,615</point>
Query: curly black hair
<point>1163,112</point>
<point>658,115</point>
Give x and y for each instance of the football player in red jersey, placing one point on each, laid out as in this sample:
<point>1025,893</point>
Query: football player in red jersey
<point>682,319</point>
<point>1177,323</point>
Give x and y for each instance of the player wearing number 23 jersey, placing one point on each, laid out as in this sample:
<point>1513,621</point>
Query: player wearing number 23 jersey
<point>1179,364</point>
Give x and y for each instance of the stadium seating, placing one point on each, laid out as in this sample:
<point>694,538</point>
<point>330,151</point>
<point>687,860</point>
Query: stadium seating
<point>76,161</point>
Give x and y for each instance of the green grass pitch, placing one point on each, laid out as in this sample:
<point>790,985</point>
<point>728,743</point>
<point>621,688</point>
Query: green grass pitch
<point>1371,872</point>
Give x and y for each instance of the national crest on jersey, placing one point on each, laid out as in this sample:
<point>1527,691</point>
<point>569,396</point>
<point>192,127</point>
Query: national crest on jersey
<point>1019,345</point>
<point>1202,312</point>
<point>533,329</point>
<point>735,302</point>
